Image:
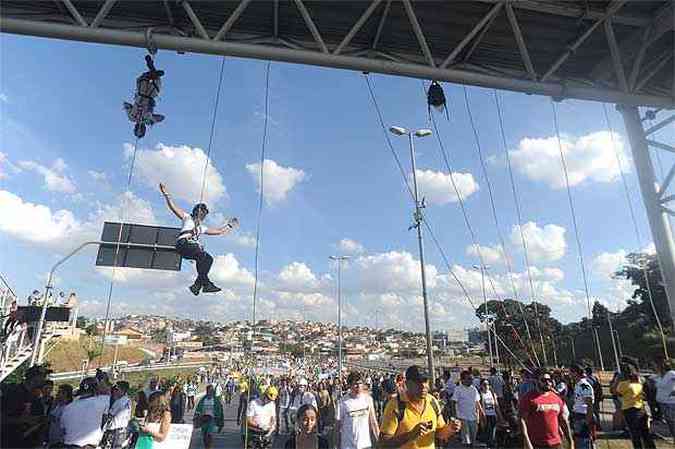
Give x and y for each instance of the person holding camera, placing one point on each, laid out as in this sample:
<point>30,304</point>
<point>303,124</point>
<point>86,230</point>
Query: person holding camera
<point>631,393</point>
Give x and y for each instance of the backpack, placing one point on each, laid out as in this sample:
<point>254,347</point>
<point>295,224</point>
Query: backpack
<point>400,408</point>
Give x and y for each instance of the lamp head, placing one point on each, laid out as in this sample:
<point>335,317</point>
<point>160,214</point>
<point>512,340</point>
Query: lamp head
<point>398,131</point>
<point>423,133</point>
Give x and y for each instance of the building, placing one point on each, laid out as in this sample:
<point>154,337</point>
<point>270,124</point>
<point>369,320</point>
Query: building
<point>458,336</point>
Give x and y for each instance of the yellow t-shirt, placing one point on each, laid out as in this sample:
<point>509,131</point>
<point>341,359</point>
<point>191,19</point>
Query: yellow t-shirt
<point>630,394</point>
<point>391,426</point>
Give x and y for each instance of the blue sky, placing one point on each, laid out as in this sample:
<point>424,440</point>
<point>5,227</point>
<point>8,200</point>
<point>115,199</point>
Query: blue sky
<point>332,184</point>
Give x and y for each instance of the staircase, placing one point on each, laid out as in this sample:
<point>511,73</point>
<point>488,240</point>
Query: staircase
<point>16,347</point>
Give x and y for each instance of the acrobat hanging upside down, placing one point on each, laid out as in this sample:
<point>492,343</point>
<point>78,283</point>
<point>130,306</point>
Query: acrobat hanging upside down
<point>142,111</point>
<point>187,242</point>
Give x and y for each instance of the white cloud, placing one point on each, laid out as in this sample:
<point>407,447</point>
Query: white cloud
<point>4,98</point>
<point>34,222</point>
<point>98,176</point>
<point>297,277</point>
<point>386,272</point>
<point>437,187</point>
<point>350,247</point>
<point>605,264</point>
<point>54,178</point>
<point>544,244</point>
<point>492,255</point>
<point>243,239</point>
<point>181,168</point>
<point>589,158</point>
<point>6,166</point>
<point>279,180</point>
<point>226,270</point>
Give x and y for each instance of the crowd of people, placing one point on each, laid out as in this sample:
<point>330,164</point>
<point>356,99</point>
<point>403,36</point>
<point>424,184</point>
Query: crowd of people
<point>306,405</point>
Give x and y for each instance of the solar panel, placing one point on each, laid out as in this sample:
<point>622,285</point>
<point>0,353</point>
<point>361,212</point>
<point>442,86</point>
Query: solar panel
<point>157,254</point>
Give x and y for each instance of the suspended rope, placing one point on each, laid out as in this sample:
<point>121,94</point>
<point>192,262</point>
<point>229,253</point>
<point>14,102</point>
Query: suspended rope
<point>636,228</point>
<point>213,130</point>
<point>574,223</point>
<point>261,202</point>
<point>495,218</point>
<point>519,215</point>
<point>407,184</point>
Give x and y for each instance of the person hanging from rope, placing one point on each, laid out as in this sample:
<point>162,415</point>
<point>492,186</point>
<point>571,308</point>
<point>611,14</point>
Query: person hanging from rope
<point>187,242</point>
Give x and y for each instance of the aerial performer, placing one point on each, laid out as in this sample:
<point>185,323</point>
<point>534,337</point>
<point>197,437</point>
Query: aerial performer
<point>142,111</point>
<point>187,241</point>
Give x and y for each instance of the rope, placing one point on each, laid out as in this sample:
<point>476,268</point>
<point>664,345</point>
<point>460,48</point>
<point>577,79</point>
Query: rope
<point>213,130</point>
<point>261,198</point>
<point>636,228</point>
<point>574,216</point>
<point>519,214</point>
<point>467,222</point>
<point>125,200</point>
<point>495,218</point>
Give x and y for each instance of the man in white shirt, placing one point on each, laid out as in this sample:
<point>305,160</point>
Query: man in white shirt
<point>467,408</point>
<point>82,419</point>
<point>261,414</point>
<point>665,394</point>
<point>355,416</point>
<point>582,411</point>
<point>118,417</point>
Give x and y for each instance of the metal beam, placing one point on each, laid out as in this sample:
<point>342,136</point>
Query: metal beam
<point>105,9</point>
<point>75,13</point>
<point>486,18</point>
<point>666,182</point>
<point>656,67</point>
<point>195,20</point>
<point>660,145</point>
<point>568,9</point>
<point>661,23</point>
<point>313,57</point>
<point>520,40</point>
<point>667,199</point>
<point>276,18</point>
<point>418,33</point>
<point>637,62</point>
<point>662,124</point>
<point>357,26</point>
<point>310,24</point>
<point>231,20</point>
<point>476,42</point>
<point>613,8</point>
<point>383,19</point>
<point>616,56</point>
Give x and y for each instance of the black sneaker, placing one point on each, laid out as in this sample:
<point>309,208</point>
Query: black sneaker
<point>210,288</point>
<point>194,288</point>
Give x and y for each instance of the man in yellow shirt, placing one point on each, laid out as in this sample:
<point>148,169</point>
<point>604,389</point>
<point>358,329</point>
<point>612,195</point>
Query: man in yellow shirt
<point>413,420</point>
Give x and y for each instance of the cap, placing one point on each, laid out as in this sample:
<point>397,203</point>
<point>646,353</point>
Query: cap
<point>416,374</point>
<point>302,383</point>
<point>87,386</point>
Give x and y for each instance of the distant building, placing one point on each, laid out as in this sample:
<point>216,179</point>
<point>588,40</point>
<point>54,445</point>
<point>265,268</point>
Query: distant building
<point>474,335</point>
<point>458,336</point>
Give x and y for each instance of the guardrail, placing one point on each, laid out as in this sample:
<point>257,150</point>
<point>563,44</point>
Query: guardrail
<point>128,369</point>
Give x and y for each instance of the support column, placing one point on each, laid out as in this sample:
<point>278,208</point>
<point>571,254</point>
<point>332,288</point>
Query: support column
<point>658,219</point>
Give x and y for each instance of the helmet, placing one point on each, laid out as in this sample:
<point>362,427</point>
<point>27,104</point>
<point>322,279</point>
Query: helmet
<point>272,393</point>
<point>199,207</point>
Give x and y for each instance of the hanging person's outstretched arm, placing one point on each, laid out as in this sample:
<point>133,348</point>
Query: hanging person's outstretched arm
<point>180,213</point>
<point>231,224</point>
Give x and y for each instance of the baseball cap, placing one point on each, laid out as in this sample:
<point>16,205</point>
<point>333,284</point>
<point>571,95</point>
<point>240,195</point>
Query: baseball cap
<point>302,383</point>
<point>416,374</point>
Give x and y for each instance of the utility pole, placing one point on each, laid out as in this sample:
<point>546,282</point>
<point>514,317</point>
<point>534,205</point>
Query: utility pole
<point>611,335</point>
<point>574,351</point>
<point>418,219</point>
<point>339,260</point>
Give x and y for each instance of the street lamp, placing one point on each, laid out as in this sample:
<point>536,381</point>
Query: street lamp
<point>418,218</point>
<point>339,260</point>
<point>483,268</point>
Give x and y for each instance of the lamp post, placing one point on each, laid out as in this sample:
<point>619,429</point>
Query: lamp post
<point>483,269</point>
<point>417,223</point>
<point>339,260</point>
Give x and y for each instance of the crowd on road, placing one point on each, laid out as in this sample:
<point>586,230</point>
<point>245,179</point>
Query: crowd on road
<point>304,404</point>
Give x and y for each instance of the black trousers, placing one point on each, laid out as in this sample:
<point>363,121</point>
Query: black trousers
<point>193,251</point>
<point>638,424</point>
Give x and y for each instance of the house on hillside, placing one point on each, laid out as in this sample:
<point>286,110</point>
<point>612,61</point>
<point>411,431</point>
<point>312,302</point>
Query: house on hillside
<point>131,334</point>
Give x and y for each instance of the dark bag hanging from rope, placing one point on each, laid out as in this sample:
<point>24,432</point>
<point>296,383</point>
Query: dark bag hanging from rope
<point>436,98</point>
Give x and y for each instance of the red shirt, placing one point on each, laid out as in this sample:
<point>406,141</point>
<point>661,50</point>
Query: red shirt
<point>541,412</point>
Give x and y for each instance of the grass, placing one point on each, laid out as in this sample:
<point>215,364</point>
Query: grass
<point>67,355</point>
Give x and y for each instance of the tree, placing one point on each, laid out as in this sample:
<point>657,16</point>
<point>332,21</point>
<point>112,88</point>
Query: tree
<point>81,322</point>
